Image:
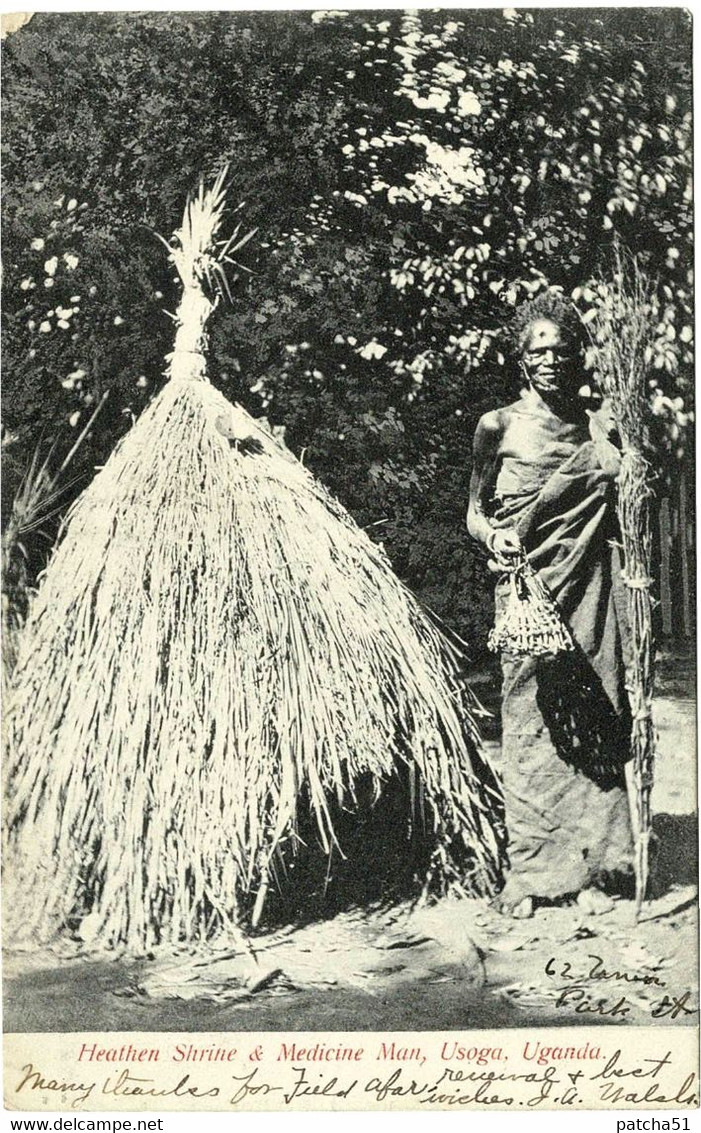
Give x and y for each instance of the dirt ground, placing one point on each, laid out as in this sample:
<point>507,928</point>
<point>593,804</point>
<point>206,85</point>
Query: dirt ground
<point>451,965</point>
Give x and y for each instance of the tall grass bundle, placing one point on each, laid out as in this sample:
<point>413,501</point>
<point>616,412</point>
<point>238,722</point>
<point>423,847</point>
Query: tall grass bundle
<point>623,330</point>
<point>214,641</point>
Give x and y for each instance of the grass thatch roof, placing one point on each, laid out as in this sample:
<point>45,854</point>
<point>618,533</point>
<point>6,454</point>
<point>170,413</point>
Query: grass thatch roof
<point>218,664</point>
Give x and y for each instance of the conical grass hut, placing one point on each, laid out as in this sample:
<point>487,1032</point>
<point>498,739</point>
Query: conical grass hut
<point>218,664</point>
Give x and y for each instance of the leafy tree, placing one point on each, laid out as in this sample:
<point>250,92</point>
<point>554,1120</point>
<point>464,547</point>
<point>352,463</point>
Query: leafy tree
<point>413,177</point>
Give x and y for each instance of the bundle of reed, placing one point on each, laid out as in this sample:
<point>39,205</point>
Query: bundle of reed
<point>622,331</point>
<point>528,622</point>
<point>216,644</point>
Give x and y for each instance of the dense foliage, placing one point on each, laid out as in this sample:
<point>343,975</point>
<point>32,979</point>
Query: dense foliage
<point>412,177</point>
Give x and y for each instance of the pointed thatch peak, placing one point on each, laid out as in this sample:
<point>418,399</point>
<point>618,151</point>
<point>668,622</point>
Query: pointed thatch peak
<point>200,259</point>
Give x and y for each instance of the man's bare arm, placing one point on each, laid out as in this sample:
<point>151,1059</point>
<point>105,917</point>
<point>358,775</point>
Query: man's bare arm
<point>488,436</point>
<point>502,542</point>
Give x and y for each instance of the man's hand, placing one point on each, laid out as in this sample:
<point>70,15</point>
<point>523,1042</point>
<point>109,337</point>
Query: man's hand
<point>604,433</point>
<point>504,546</point>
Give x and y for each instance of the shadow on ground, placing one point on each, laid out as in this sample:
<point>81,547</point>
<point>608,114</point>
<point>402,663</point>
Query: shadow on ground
<point>675,854</point>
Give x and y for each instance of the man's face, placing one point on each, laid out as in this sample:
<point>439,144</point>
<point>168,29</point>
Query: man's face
<point>547,358</point>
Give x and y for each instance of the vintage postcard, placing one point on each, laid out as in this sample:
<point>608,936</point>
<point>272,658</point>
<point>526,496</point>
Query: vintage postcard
<point>348,561</point>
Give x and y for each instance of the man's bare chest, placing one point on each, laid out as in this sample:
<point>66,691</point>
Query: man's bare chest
<point>532,438</point>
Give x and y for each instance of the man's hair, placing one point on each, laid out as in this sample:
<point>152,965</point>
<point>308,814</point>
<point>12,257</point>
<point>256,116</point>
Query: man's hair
<point>551,305</point>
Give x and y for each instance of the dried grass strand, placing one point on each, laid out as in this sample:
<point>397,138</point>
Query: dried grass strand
<point>622,334</point>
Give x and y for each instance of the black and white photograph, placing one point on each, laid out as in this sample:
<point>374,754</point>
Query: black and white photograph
<point>348,558</point>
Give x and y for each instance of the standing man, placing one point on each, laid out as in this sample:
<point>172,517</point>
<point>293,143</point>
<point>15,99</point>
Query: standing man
<point>543,483</point>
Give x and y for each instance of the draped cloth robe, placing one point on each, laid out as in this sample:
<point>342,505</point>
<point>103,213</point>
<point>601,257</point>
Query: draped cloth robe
<point>566,721</point>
